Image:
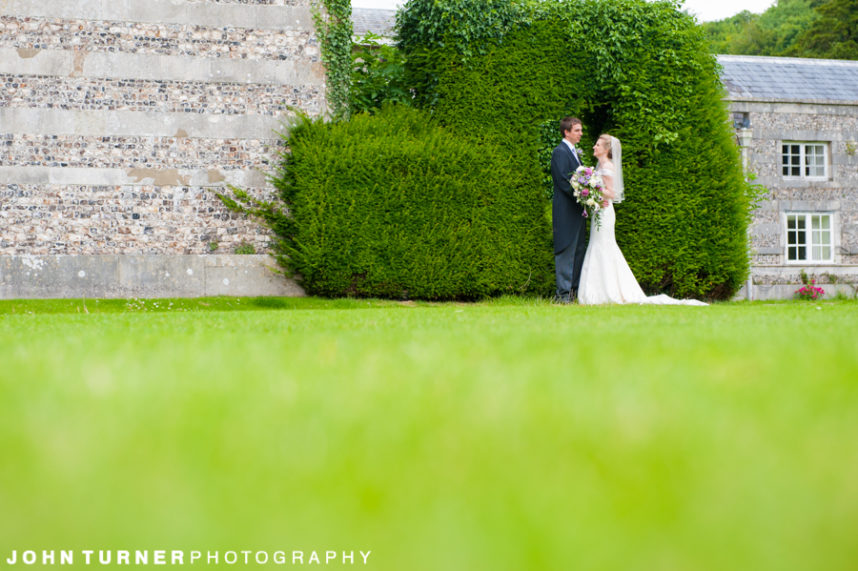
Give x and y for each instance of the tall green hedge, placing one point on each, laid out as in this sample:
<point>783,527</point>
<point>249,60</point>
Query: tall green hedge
<point>449,201</point>
<point>392,205</point>
<point>639,70</point>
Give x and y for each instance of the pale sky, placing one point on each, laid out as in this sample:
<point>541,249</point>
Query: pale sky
<point>705,10</point>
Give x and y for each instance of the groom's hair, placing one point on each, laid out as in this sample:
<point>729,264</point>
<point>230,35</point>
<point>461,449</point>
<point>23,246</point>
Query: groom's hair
<point>567,123</point>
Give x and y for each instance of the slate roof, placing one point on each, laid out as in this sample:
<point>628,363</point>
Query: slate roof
<point>379,22</point>
<point>756,78</point>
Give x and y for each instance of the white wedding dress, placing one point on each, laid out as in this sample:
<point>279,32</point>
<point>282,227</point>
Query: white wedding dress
<point>606,276</point>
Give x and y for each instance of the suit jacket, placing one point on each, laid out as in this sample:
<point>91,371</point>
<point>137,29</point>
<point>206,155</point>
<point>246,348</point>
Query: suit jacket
<point>566,214</point>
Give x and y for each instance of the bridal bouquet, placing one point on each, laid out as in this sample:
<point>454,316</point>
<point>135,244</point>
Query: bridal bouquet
<point>587,187</point>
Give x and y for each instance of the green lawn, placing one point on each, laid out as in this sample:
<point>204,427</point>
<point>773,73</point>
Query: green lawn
<point>511,434</point>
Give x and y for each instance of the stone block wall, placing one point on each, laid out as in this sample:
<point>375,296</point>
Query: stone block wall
<point>119,119</point>
<point>771,123</point>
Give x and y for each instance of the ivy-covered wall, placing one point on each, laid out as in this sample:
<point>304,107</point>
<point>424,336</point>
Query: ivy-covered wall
<point>333,23</point>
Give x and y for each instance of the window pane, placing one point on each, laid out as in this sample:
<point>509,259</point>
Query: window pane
<point>820,237</point>
<point>798,237</point>
<point>804,160</point>
<point>809,237</point>
<point>815,160</point>
<point>815,171</point>
<point>791,160</point>
<point>792,237</point>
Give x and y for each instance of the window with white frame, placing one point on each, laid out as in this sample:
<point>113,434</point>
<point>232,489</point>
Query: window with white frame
<point>804,160</point>
<point>809,237</point>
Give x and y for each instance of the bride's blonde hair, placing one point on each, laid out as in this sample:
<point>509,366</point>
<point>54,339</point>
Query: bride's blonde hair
<point>607,138</point>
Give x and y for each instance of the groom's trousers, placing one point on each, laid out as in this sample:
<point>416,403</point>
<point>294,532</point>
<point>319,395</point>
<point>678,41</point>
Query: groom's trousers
<point>568,262</point>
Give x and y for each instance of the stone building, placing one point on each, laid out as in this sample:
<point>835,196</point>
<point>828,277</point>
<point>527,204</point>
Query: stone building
<point>797,125</point>
<point>118,121</point>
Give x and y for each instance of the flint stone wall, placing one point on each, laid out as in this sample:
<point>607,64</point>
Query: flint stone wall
<point>118,121</point>
<point>772,277</point>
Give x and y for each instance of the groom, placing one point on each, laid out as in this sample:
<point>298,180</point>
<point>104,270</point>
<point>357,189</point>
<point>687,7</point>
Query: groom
<point>570,237</point>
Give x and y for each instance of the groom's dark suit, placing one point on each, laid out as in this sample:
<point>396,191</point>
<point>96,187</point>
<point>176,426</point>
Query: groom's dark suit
<point>570,237</point>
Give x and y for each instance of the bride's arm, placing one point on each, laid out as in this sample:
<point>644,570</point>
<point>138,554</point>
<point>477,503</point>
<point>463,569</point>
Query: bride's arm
<point>608,193</point>
<point>608,190</point>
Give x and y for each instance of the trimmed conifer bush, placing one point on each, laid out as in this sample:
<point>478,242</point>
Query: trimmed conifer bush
<point>392,205</point>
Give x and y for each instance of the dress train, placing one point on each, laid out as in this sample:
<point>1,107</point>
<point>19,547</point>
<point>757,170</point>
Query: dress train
<point>606,276</point>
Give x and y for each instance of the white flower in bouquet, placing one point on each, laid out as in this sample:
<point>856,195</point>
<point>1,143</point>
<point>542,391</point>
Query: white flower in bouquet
<point>588,188</point>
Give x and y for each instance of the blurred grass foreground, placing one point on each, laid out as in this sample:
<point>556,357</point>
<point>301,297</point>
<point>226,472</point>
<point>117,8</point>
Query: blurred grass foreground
<point>505,435</point>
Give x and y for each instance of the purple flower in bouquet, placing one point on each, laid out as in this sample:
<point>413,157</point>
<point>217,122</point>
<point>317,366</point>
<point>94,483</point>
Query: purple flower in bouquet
<point>587,188</point>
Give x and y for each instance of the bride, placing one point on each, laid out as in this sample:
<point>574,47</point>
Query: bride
<point>605,276</point>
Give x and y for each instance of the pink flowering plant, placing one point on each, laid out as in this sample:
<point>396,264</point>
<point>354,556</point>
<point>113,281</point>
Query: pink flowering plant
<point>587,187</point>
<point>809,291</point>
